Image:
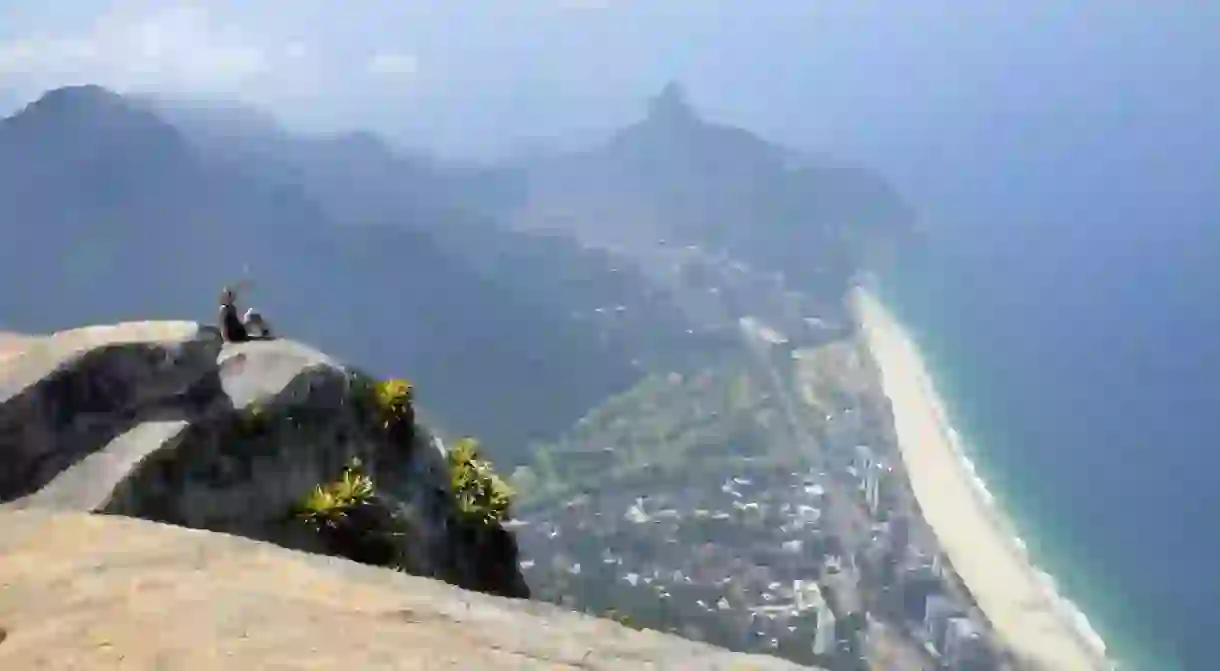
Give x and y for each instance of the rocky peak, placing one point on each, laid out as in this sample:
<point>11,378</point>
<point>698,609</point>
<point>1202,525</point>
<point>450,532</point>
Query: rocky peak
<point>164,421</point>
<point>102,143</point>
<point>670,107</point>
<point>82,110</point>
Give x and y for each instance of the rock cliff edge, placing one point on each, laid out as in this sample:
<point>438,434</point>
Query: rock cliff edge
<point>210,442</point>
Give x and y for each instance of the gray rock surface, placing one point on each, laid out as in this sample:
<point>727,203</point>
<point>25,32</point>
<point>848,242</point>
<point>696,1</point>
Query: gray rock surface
<point>105,592</point>
<point>163,421</point>
<point>89,484</point>
<point>69,394</point>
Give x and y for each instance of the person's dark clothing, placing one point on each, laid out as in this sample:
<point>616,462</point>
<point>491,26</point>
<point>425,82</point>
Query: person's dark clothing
<point>230,324</point>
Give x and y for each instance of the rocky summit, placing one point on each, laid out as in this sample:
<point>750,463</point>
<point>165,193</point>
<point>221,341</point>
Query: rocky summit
<point>210,441</point>
<point>164,421</point>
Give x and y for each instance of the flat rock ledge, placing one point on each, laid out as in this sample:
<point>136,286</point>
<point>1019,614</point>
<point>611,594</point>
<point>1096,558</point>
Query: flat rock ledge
<point>83,591</point>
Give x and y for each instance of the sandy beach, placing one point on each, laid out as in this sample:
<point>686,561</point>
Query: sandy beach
<point>1039,626</point>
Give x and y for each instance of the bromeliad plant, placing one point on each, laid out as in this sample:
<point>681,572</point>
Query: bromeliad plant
<point>392,398</point>
<point>482,498</point>
<point>329,505</point>
<point>386,404</point>
<point>354,522</point>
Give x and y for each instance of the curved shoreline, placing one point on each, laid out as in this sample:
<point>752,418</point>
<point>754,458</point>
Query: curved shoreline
<point>981,544</point>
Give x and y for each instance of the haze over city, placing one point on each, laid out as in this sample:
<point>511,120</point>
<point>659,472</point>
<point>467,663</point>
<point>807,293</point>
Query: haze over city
<point>862,334</point>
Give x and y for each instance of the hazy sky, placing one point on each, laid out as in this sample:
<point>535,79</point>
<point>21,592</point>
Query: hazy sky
<point>899,84</point>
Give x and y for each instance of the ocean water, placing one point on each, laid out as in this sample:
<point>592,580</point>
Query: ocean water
<point>1081,369</point>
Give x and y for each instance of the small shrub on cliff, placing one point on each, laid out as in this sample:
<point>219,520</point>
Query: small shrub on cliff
<point>386,404</point>
<point>393,403</point>
<point>328,505</point>
<point>353,521</point>
<point>481,496</point>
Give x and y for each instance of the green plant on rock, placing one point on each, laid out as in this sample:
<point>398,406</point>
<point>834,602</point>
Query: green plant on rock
<point>328,505</point>
<point>353,521</point>
<point>481,497</point>
<point>393,402</point>
<point>386,404</point>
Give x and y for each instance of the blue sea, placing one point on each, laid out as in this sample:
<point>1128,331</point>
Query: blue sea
<point>1078,353</point>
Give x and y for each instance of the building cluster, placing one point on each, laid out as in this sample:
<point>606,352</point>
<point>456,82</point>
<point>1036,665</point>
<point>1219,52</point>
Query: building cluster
<point>740,561</point>
<point>828,563</point>
<point>715,289</point>
<point>913,586</point>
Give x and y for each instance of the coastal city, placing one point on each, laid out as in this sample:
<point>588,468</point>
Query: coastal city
<point>605,335</point>
<point>789,529</point>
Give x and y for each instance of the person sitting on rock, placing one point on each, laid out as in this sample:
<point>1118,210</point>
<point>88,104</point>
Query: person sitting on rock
<point>256,326</point>
<point>231,327</point>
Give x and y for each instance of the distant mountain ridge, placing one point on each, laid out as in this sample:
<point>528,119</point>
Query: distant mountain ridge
<point>114,213</point>
<point>676,176</point>
<point>129,208</point>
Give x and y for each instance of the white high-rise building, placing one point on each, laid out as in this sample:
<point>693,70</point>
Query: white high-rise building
<point>824,640</point>
<point>870,469</point>
<point>809,595</point>
<point>938,610</point>
<point>872,489</point>
<point>864,460</point>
